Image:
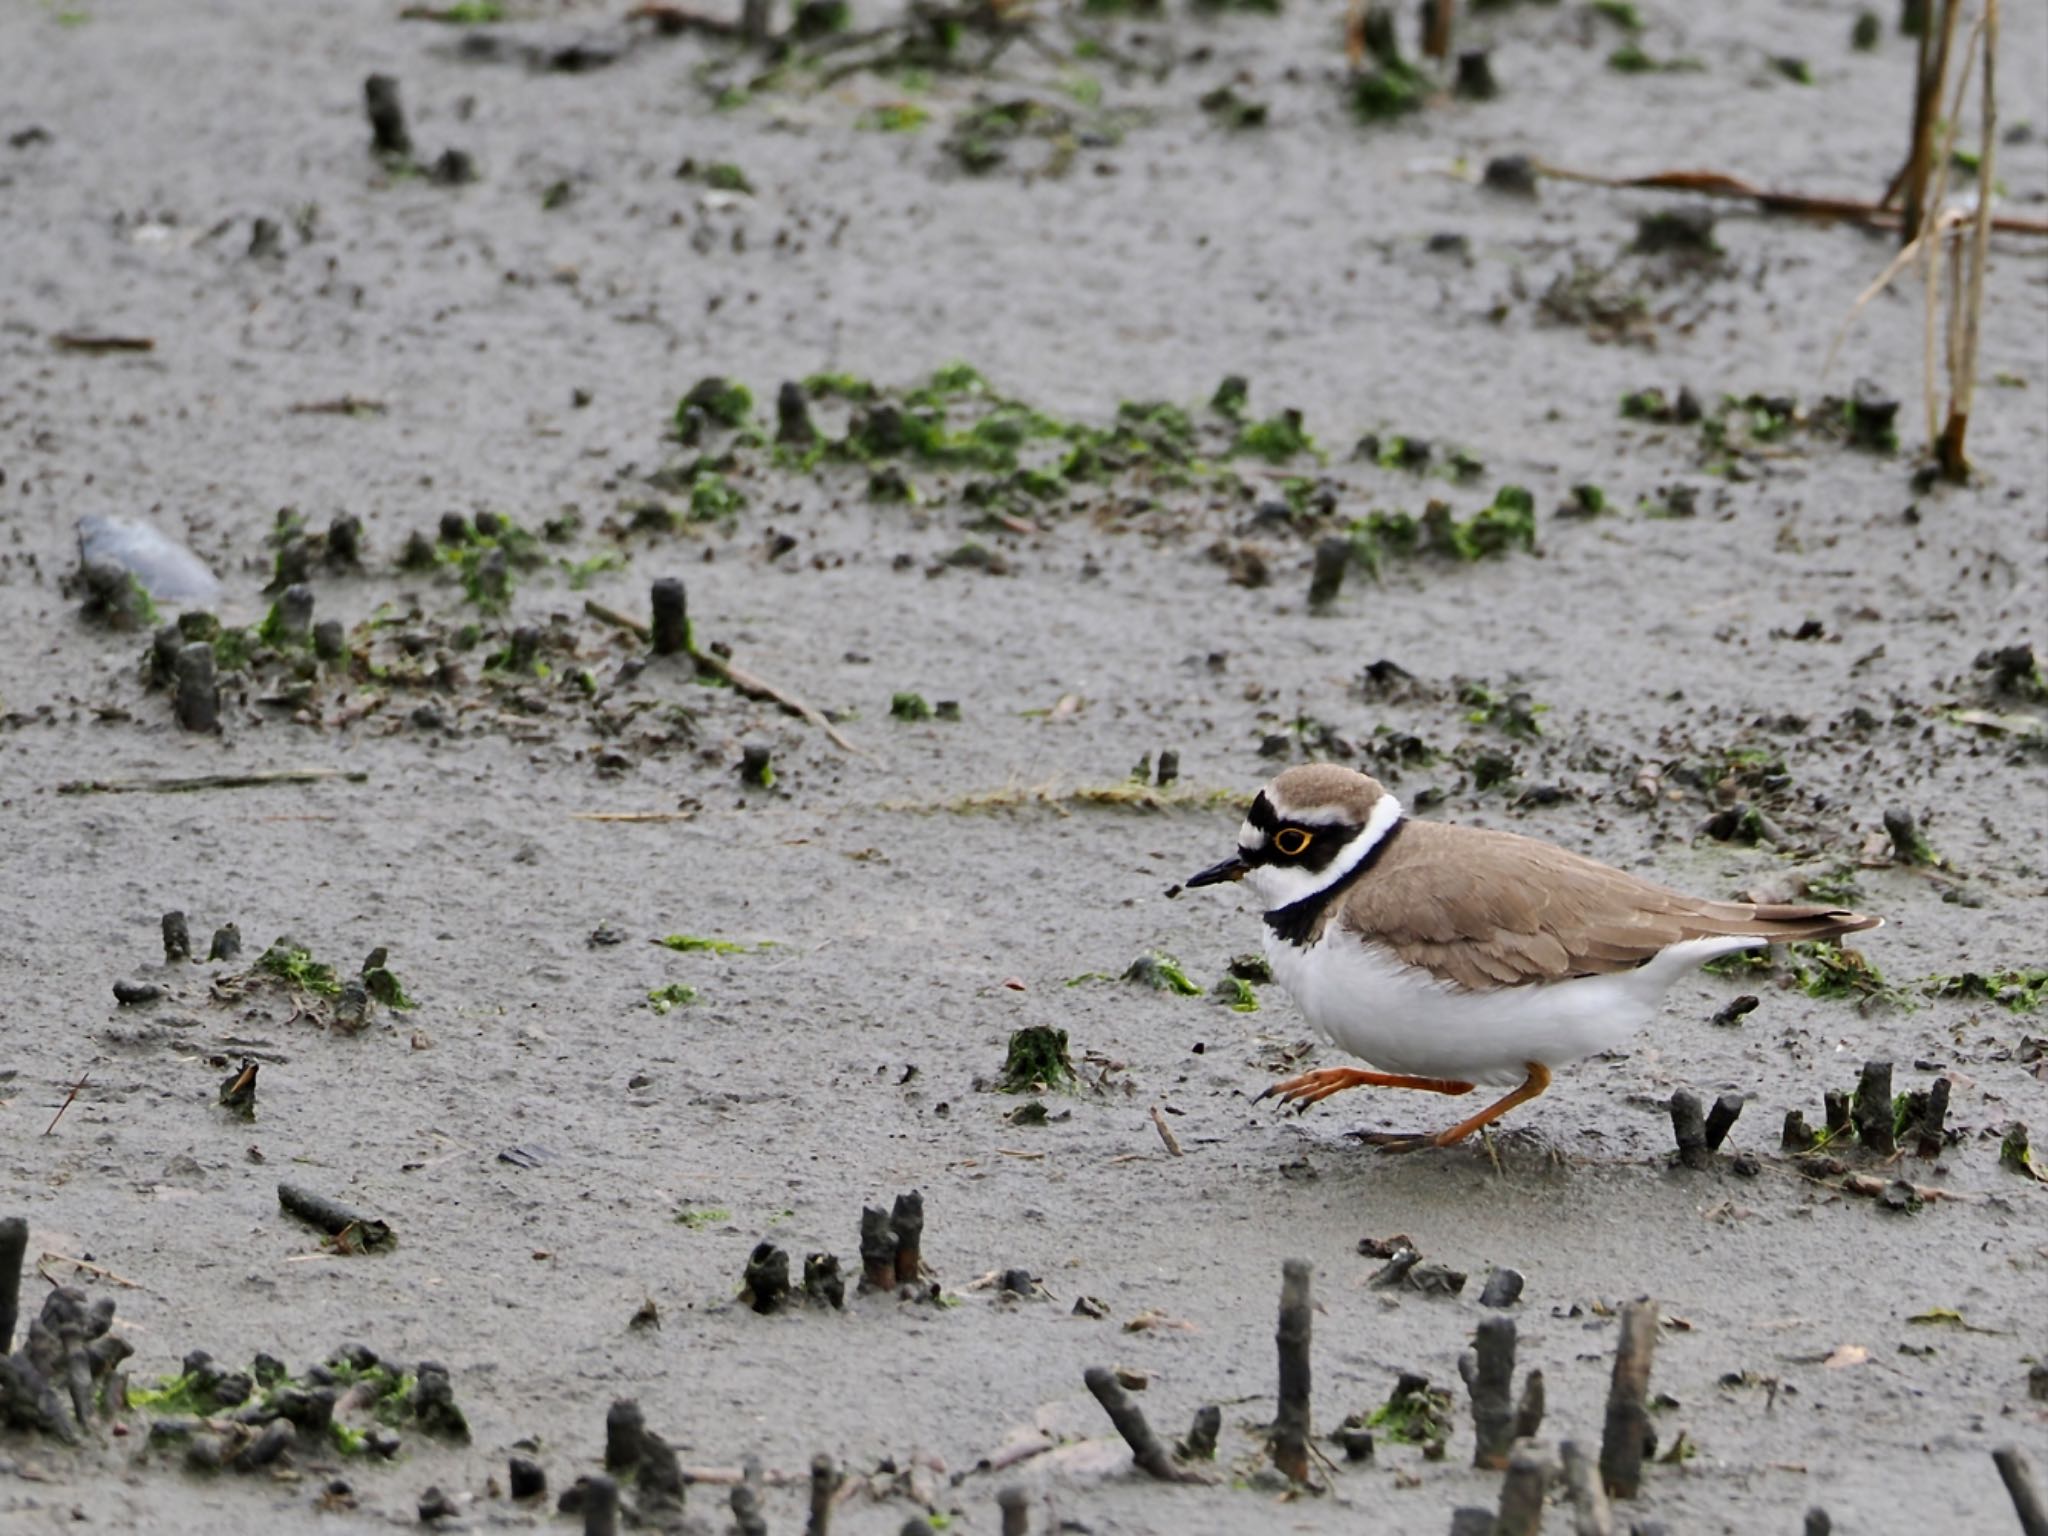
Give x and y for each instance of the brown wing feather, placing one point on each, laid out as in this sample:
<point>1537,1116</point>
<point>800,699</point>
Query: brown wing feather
<point>1485,909</point>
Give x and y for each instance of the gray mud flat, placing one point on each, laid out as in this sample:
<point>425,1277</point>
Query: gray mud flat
<point>1796,657</point>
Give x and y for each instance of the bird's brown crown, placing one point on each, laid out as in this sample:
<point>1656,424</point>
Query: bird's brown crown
<point>1324,793</point>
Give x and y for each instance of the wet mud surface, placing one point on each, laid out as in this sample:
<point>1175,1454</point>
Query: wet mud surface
<point>447,410</point>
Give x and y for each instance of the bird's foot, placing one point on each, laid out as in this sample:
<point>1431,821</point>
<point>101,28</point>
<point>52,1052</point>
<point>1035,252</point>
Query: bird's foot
<point>1395,1141</point>
<point>1313,1087</point>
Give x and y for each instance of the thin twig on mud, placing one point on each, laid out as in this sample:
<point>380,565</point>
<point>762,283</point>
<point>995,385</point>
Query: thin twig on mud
<point>742,681</point>
<point>259,780</point>
<point>76,1089</point>
<point>49,1256</point>
<point>78,341</point>
<point>1165,1132</point>
<point>1769,200</point>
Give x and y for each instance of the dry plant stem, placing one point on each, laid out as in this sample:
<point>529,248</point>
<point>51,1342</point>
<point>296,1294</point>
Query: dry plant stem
<point>2027,1501</point>
<point>1591,1514</point>
<point>13,1252</point>
<point>1962,382</point>
<point>1628,1412</point>
<point>1521,1491</point>
<point>1936,40</point>
<point>1489,1372</point>
<point>1291,1424</point>
<point>1129,1420</point>
<point>1721,184</point>
<point>1907,255</point>
<point>1436,33</point>
<point>1930,247</point>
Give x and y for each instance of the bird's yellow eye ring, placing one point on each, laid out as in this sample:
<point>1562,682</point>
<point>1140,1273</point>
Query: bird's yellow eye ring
<point>1291,841</point>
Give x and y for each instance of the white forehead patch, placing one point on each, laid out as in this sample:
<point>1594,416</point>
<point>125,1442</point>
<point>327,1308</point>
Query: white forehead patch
<point>1250,837</point>
<point>1320,816</point>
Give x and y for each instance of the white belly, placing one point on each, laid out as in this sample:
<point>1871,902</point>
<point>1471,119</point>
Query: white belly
<point>1401,1019</point>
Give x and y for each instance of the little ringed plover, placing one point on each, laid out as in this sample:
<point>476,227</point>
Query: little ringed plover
<point>1450,957</point>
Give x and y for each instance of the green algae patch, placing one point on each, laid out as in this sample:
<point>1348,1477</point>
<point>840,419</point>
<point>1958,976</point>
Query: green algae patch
<point>1036,1060</point>
<point>1162,973</point>
<point>1276,439</point>
<point>294,965</point>
<point>717,399</point>
<point>2016,991</point>
<point>674,995</point>
<point>1819,969</point>
<point>1238,994</point>
<point>1415,1413</point>
<point>690,943</point>
<point>382,983</point>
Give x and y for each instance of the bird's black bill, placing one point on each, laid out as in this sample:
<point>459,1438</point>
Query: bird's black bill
<point>1232,868</point>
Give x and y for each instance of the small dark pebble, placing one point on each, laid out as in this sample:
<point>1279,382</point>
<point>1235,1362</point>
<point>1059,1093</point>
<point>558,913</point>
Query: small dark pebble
<point>133,994</point>
<point>455,168</point>
<point>1735,1010</point>
<point>1687,230</point>
<point>1512,174</point>
<point>1503,1288</point>
<point>435,1505</point>
<point>1356,1441</point>
<point>526,1478</point>
<point>755,767</point>
<point>1475,79</point>
<point>766,1278</point>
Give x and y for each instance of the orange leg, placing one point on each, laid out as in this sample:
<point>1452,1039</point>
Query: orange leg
<point>1313,1087</point>
<point>1537,1080</point>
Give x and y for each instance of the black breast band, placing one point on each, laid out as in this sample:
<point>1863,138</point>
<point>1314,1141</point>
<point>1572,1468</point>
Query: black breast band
<point>1297,920</point>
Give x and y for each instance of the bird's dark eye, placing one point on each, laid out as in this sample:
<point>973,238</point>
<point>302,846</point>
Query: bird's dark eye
<point>1291,841</point>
